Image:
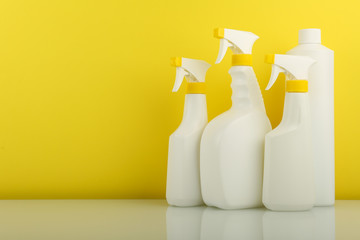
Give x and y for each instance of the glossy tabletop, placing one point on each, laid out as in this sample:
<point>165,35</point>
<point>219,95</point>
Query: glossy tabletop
<point>154,219</point>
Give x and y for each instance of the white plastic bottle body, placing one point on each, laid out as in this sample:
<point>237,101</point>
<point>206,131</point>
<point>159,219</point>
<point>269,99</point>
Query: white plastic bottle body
<point>289,166</point>
<point>232,147</point>
<point>183,174</point>
<point>321,99</point>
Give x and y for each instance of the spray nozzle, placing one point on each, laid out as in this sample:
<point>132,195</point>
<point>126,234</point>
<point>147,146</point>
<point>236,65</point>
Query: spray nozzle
<point>294,67</point>
<point>240,42</point>
<point>192,69</point>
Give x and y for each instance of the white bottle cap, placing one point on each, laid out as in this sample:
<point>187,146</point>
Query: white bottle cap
<point>294,67</point>
<point>310,35</point>
<point>240,42</point>
<point>192,69</point>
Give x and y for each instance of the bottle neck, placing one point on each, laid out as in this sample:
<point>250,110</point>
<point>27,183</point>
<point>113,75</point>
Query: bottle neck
<point>296,108</point>
<point>246,91</point>
<point>195,108</point>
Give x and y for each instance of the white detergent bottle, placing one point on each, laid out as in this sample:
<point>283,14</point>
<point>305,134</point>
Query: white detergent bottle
<point>232,145</point>
<point>289,166</point>
<point>321,98</point>
<point>183,174</point>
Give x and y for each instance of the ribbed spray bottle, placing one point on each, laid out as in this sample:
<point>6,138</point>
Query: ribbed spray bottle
<point>232,145</point>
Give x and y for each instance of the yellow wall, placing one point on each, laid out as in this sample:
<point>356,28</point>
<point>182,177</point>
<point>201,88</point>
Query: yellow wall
<point>85,87</point>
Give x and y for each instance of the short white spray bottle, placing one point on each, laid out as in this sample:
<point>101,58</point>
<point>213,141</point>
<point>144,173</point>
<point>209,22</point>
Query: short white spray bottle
<point>289,164</point>
<point>183,174</point>
<point>232,145</point>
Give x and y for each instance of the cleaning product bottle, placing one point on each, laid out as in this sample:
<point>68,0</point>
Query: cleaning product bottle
<point>289,167</point>
<point>321,98</point>
<point>232,145</point>
<point>183,175</point>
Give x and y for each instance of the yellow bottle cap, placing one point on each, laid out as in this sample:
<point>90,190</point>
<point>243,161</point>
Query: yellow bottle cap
<point>219,33</point>
<point>195,88</point>
<point>270,58</point>
<point>242,60</point>
<point>296,86</point>
<point>175,61</point>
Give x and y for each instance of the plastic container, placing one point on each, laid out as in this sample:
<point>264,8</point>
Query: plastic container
<point>232,145</point>
<point>289,165</point>
<point>183,175</point>
<point>321,99</point>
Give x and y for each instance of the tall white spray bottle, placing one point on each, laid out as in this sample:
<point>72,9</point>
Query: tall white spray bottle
<point>289,165</point>
<point>232,145</point>
<point>183,175</point>
<point>321,98</point>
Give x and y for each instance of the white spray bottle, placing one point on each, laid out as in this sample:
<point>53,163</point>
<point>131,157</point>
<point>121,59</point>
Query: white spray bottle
<point>232,145</point>
<point>183,175</point>
<point>289,166</point>
<point>321,98</point>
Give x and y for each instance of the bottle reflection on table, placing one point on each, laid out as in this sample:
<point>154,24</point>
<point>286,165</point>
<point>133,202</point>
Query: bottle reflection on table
<point>232,224</point>
<point>208,223</point>
<point>183,223</point>
<point>316,224</point>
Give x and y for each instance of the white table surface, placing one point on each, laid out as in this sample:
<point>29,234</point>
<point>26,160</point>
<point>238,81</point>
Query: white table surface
<point>154,219</point>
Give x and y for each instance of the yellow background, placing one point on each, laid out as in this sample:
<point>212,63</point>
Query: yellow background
<point>86,107</point>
